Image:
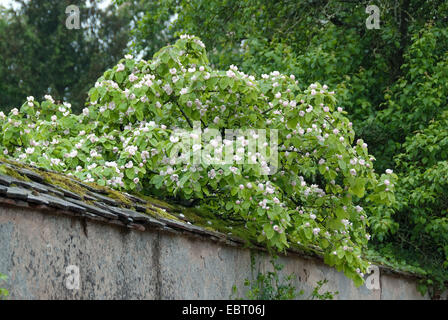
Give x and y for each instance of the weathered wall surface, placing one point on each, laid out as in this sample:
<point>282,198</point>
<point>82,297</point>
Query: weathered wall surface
<point>115,263</point>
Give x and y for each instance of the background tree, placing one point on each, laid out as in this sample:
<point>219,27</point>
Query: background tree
<point>39,55</point>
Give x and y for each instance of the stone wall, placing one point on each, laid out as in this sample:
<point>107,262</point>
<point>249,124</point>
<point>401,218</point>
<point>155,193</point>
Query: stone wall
<point>116,263</point>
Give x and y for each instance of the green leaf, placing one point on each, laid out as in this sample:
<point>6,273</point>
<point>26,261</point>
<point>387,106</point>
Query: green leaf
<point>130,173</point>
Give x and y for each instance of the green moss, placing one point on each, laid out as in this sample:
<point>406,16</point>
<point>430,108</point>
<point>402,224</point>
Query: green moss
<point>200,217</point>
<point>158,202</point>
<point>195,216</point>
<point>119,197</point>
<point>63,182</point>
<point>12,173</point>
<point>68,184</point>
<point>157,212</point>
<point>14,163</point>
<point>206,219</point>
<point>51,178</point>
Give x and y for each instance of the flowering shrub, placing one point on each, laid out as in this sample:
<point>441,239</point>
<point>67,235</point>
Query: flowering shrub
<point>125,136</point>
